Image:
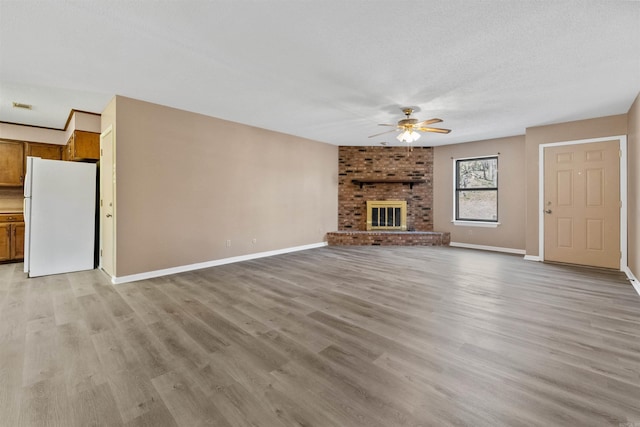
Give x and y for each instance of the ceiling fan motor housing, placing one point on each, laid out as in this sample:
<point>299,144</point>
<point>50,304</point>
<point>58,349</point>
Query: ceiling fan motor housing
<point>407,122</point>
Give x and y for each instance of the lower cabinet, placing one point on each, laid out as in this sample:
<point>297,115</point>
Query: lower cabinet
<point>11,237</point>
<point>17,247</point>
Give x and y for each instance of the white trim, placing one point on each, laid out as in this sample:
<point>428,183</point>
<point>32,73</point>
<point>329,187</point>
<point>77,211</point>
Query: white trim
<point>214,263</point>
<point>541,201</point>
<point>532,258</point>
<point>486,156</point>
<point>632,279</point>
<point>488,248</point>
<point>622,144</point>
<point>623,199</point>
<point>476,224</point>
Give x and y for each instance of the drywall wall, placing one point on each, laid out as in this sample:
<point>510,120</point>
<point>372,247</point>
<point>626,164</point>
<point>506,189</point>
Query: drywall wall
<point>510,234</point>
<point>192,188</point>
<point>32,134</point>
<point>569,131</point>
<point>633,190</point>
<point>79,120</point>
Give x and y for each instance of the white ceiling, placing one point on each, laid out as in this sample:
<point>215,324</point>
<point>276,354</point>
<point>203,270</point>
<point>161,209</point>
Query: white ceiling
<point>328,70</point>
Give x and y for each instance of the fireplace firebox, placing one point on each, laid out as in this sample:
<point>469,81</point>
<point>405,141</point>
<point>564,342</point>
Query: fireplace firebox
<point>387,215</point>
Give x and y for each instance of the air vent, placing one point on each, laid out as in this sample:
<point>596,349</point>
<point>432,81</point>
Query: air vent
<point>23,106</point>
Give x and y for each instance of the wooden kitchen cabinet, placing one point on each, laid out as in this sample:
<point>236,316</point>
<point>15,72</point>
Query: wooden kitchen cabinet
<point>17,248</point>
<point>44,151</point>
<point>11,163</point>
<point>11,237</point>
<point>81,146</point>
<point>5,241</point>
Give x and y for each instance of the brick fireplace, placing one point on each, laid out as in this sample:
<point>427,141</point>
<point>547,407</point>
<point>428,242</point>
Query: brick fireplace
<point>369,174</point>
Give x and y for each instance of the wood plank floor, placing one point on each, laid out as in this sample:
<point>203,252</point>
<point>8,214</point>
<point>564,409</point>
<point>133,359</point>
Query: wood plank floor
<point>336,336</point>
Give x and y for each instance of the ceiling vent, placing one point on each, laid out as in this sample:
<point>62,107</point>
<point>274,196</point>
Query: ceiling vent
<point>23,106</point>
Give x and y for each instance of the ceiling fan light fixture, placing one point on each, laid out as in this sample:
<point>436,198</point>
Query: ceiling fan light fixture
<point>408,136</point>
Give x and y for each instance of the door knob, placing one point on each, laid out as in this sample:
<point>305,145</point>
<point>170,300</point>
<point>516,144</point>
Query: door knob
<point>548,211</point>
<point>109,215</point>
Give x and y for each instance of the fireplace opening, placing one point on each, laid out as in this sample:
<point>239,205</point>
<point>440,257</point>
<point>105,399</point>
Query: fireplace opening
<point>386,215</point>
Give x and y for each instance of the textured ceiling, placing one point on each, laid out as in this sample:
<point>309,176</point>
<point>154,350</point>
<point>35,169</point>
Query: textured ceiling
<point>328,70</point>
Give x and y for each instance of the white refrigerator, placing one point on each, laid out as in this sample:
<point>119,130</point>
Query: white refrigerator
<point>59,216</point>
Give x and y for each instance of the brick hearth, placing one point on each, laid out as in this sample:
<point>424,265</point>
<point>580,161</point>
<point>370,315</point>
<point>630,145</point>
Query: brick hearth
<point>388,238</point>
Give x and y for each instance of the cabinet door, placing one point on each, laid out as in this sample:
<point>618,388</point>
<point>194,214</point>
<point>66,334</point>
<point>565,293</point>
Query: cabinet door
<point>5,241</point>
<point>17,241</point>
<point>86,146</point>
<point>67,151</point>
<point>45,151</point>
<point>11,163</point>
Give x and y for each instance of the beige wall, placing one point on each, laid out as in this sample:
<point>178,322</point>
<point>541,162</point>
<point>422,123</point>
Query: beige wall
<point>510,233</point>
<point>79,121</point>
<point>108,116</point>
<point>187,183</point>
<point>32,134</point>
<point>582,129</point>
<point>633,190</point>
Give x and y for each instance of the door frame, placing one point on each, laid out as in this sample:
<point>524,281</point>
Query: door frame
<point>108,130</point>
<point>622,144</point>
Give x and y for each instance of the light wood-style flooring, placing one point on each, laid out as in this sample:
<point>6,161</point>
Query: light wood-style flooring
<point>336,336</point>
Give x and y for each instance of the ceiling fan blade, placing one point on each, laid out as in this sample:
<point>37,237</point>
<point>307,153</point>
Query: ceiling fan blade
<point>437,130</point>
<point>385,124</point>
<point>428,122</point>
<point>382,133</point>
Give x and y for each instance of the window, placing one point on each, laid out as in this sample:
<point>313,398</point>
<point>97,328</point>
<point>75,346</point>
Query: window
<point>476,184</point>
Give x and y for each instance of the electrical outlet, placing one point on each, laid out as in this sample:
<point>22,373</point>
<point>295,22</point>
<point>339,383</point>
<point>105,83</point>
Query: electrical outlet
<point>228,243</point>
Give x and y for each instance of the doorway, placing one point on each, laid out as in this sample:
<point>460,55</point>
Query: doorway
<point>582,203</point>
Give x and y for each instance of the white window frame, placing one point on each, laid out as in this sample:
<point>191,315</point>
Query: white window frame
<point>474,223</point>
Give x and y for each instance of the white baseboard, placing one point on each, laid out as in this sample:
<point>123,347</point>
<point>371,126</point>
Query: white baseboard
<point>532,258</point>
<point>214,263</point>
<point>632,279</point>
<point>488,248</point>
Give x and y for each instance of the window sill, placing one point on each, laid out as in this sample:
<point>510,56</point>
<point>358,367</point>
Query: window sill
<point>476,224</point>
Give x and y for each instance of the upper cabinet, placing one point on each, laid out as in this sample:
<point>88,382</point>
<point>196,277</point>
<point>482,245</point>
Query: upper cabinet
<point>11,163</point>
<point>44,151</point>
<point>82,145</point>
<point>13,159</point>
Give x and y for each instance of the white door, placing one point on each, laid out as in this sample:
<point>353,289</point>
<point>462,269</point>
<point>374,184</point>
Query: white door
<point>107,208</point>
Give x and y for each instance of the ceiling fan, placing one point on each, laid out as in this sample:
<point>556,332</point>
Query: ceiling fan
<point>408,127</point>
